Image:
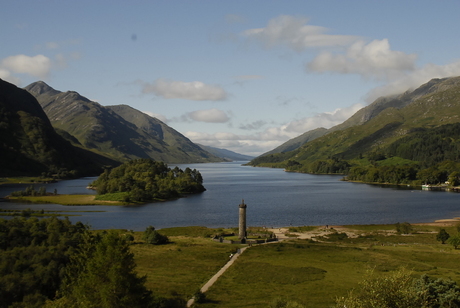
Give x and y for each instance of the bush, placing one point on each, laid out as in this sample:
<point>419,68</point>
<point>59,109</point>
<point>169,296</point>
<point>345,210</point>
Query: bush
<point>403,228</point>
<point>399,289</point>
<point>151,236</point>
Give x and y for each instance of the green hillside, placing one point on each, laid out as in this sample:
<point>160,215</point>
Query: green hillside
<point>29,145</point>
<point>367,113</point>
<point>174,147</point>
<point>387,138</point>
<point>119,132</point>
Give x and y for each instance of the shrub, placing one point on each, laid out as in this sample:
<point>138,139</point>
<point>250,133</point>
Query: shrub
<point>151,236</point>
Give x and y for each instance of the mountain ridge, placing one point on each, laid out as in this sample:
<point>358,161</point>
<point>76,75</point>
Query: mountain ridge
<point>112,130</point>
<point>29,145</point>
<point>432,105</point>
<point>367,113</point>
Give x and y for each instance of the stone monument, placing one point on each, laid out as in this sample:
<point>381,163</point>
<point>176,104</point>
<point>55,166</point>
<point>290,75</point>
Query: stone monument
<point>242,221</point>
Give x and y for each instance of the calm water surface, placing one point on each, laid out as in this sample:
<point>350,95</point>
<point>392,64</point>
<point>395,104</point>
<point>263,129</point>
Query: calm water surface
<point>275,198</point>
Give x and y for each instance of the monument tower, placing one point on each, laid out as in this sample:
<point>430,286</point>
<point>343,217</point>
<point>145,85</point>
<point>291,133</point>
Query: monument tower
<point>242,221</point>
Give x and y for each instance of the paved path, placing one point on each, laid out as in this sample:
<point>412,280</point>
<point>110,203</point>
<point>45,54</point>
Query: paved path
<point>214,278</point>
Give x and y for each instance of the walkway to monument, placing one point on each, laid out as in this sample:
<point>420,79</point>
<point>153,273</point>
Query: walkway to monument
<point>214,278</point>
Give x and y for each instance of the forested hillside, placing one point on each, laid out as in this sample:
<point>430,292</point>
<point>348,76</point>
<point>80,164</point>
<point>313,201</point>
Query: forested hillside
<point>414,140</point>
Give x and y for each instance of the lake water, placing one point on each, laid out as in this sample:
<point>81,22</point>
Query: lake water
<point>274,198</point>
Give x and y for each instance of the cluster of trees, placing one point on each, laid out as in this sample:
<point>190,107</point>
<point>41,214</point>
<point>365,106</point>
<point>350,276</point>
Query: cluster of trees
<point>400,289</point>
<point>447,171</point>
<point>328,166</point>
<point>30,191</point>
<point>145,180</point>
<point>33,255</point>
<point>429,146</point>
<point>53,263</point>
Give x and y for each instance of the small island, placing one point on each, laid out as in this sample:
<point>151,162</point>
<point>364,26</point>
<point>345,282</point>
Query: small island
<point>134,182</point>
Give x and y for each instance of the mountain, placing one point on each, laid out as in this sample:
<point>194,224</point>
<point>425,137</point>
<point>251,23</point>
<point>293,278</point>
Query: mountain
<point>298,141</point>
<point>178,148</point>
<point>226,154</point>
<point>29,145</point>
<point>119,132</point>
<point>365,114</point>
<point>379,127</point>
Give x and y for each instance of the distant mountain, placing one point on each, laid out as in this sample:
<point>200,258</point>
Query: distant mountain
<point>297,142</point>
<point>120,132</point>
<point>29,145</point>
<point>378,128</point>
<point>226,154</point>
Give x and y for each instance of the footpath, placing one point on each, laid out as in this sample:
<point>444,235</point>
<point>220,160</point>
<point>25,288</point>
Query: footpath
<point>214,278</point>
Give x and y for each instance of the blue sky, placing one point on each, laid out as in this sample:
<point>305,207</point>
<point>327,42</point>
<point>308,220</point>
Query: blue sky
<point>241,75</point>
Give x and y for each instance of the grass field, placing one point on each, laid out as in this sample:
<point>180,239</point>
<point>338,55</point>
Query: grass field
<point>312,273</point>
<point>67,200</point>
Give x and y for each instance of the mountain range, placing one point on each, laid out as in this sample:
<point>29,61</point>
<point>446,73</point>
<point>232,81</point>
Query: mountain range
<point>226,154</point>
<point>377,128</point>
<point>119,132</point>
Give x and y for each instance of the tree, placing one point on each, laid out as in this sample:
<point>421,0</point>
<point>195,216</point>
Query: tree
<point>151,236</point>
<point>403,228</point>
<point>102,274</point>
<point>454,240</point>
<point>400,289</point>
<point>442,236</point>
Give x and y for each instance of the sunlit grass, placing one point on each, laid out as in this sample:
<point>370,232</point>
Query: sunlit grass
<point>311,273</point>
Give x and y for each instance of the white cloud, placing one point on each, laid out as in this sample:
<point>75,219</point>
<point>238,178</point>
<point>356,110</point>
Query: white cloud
<point>196,90</point>
<point>160,117</point>
<point>371,60</point>
<point>325,119</point>
<point>6,75</point>
<point>37,66</point>
<point>260,142</point>
<point>415,79</point>
<point>296,34</point>
<point>209,116</point>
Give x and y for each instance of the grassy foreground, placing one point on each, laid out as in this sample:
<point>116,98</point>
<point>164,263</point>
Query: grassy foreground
<point>312,273</point>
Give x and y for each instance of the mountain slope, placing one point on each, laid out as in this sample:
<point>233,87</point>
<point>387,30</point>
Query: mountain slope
<point>178,148</point>
<point>367,113</point>
<point>29,145</point>
<point>226,154</point>
<point>434,104</point>
<point>103,130</point>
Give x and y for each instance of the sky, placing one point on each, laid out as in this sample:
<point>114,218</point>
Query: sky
<point>241,75</point>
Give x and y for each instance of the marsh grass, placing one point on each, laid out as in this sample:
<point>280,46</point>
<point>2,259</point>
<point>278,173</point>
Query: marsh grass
<point>67,200</point>
<point>310,273</point>
<point>25,180</point>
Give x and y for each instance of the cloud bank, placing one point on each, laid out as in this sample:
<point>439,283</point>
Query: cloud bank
<point>38,66</point>
<point>209,116</point>
<point>260,142</point>
<point>372,60</point>
<point>196,90</point>
<point>295,33</point>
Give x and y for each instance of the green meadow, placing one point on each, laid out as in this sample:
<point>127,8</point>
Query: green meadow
<point>312,272</point>
<point>67,200</point>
